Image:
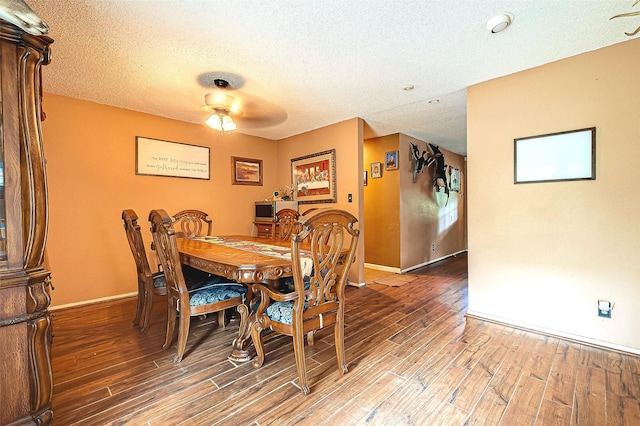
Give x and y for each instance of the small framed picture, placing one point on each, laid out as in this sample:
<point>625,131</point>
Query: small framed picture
<point>376,170</point>
<point>391,160</point>
<point>364,178</point>
<point>246,171</point>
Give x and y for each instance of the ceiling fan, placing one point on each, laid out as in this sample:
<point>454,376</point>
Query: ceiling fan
<point>230,108</point>
<point>222,106</point>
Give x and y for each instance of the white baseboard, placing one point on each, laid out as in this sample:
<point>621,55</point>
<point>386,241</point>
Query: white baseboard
<point>432,261</point>
<point>411,268</point>
<point>382,268</point>
<point>553,333</point>
<point>89,302</point>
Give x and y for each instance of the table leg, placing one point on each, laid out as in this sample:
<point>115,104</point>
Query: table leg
<point>241,345</point>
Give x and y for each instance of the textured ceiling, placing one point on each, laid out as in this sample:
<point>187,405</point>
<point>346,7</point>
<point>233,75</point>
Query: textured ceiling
<point>301,65</point>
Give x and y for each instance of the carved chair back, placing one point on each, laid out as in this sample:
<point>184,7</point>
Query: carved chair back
<point>192,223</point>
<point>164,241</point>
<point>330,232</point>
<point>146,279</point>
<point>287,223</point>
<point>206,297</point>
<point>318,298</point>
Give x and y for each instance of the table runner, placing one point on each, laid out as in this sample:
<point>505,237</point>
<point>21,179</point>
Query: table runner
<point>264,249</point>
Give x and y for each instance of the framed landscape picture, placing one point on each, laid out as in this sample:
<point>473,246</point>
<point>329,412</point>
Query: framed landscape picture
<point>313,178</point>
<point>246,171</point>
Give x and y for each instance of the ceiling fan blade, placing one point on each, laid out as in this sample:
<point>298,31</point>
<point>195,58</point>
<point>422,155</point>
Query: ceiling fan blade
<point>258,113</point>
<point>249,111</point>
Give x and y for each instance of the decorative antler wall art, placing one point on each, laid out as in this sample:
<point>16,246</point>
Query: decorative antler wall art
<point>429,156</point>
<point>623,15</point>
<point>419,160</point>
<point>440,176</point>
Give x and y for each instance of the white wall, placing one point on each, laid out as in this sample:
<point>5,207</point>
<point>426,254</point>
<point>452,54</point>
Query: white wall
<point>541,255</point>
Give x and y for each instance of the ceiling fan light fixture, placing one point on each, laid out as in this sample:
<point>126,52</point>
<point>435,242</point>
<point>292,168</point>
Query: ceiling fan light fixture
<point>222,122</point>
<point>219,100</point>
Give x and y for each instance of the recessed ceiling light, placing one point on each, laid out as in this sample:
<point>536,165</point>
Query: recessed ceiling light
<point>408,87</point>
<point>499,23</point>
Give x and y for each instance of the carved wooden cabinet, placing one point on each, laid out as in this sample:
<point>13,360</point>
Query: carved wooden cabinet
<point>25,329</point>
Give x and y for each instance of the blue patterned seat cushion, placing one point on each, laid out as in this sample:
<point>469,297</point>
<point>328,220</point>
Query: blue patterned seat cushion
<point>280,312</point>
<point>212,292</point>
<point>159,280</point>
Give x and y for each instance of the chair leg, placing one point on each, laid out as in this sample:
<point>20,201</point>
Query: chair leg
<point>171,322</point>
<point>339,336</point>
<point>222,319</point>
<point>298,350</point>
<point>148,305</point>
<point>140,305</point>
<point>258,344</point>
<point>183,333</point>
<point>310,340</point>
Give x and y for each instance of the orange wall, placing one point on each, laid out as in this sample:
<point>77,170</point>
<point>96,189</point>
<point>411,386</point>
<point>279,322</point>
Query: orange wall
<point>382,205</point>
<point>91,177</point>
<point>90,152</point>
<point>347,138</point>
<point>541,255</point>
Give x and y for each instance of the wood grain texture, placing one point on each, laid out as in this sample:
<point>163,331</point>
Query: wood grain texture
<point>413,358</point>
<point>25,329</point>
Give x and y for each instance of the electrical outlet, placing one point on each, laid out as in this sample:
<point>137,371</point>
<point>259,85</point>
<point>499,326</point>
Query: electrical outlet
<point>350,198</point>
<point>433,247</point>
<point>604,308</point>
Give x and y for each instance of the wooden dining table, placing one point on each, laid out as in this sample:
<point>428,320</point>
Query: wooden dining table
<point>244,259</point>
<point>237,263</point>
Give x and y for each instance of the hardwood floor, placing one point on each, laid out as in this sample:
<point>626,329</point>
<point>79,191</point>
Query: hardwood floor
<point>413,359</point>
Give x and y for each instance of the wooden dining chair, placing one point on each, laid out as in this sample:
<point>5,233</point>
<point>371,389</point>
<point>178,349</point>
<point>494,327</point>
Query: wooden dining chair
<point>192,223</point>
<point>318,299</point>
<point>148,283</point>
<point>287,224</point>
<point>207,297</point>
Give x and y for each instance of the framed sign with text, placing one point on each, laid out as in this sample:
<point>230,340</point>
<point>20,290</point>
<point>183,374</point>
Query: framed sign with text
<point>163,158</point>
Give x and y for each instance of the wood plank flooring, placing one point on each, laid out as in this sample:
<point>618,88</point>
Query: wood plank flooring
<point>413,358</point>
